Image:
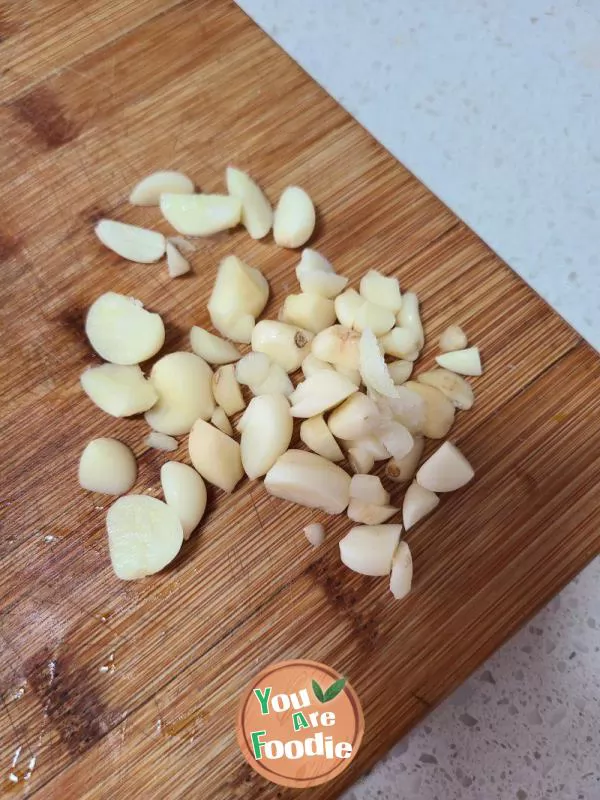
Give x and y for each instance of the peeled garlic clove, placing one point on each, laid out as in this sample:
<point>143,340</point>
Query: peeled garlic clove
<point>369,549</point>
<point>148,191</point>
<point>453,338</point>
<point>397,439</point>
<point>239,289</point>
<point>310,311</point>
<point>216,456</point>
<point>402,572</point>
<point>295,217</point>
<point>338,346</point>
<point>182,244</point>
<point>446,470</point>
<point>368,513</point>
<point>400,371</point>
<point>212,348</point>
<point>107,466</point>
<point>373,369</point>
<point>404,468</point>
<point>266,429</point>
<point>351,374</point>
<point>347,305</point>
<point>439,411</point>
<point>160,441</point>
<point>144,535</point>
<point>453,386</point>
<point>368,489</point>
<point>183,384</point>
<point>418,503</point>
<point>319,393</point>
<point>118,390</point>
<point>401,343</point>
<point>355,417</point>
<point>226,390</point>
<point>316,275</point>
<point>312,364</point>
<point>286,345</point>
<point>236,327</point>
<point>371,444</point>
<point>409,317</point>
<point>276,382</point>
<point>464,362</point>
<point>185,493</point>
<point>220,420</point>
<point>252,368</point>
<point>177,264</point>
<point>315,533</point>
<point>201,214</point>
<point>381,291</point>
<point>257,214</point>
<point>309,480</point>
<point>130,241</point>
<point>121,330</point>
<point>377,319</point>
<point>361,460</point>
<point>316,435</point>
<point>408,408</point>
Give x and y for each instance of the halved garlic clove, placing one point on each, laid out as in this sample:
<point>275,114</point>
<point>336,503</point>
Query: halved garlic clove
<point>226,390</point>
<point>200,214</point>
<point>451,385</point>
<point>257,214</point>
<point>309,311</point>
<point>337,345</point>
<point>312,364</point>
<point>381,291</point>
<point>148,191</point>
<point>369,513</point>
<point>396,438</point>
<point>185,493</point>
<point>369,489</point>
<point>402,572</point>
<point>286,345</point>
<point>463,362</point>
<point>439,411</point>
<point>357,416</point>
<point>453,338</point>
<point>121,330</point>
<point>212,348</point>
<point>221,421</point>
<point>107,466</point>
<point>403,469</point>
<point>418,503</point>
<point>446,470</point>
<point>239,289</point>
<point>295,218</point>
<point>401,343</point>
<point>216,456</point>
<point>183,384</point>
<point>266,429</point>
<point>400,371</point>
<point>319,393</point>
<point>315,533</point>
<point>160,441</point>
<point>118,390</point>
<point>316,435</point>
<point>130,241</point>
<point>316,275</point>
<point>347,306</point>
<point>409,317</point>
<point>361,460</point>
<point>144,535</point>
<point>252,369</point>
<point>375,318</point>
<point>177,264</point>
<point>276,382</point>
<point>369,549</point>
<point>309,480</point>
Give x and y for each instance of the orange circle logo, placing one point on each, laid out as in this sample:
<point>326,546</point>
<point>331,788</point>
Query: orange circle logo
<point>300,723</point>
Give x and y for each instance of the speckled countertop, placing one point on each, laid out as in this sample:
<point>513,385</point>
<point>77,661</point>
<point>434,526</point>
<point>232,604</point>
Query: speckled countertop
<point>495,105</point>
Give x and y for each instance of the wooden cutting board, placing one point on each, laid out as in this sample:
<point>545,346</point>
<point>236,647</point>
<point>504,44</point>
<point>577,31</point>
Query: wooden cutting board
<point>130,689</point>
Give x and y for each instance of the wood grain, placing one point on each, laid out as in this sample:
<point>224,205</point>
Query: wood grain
<point>91,104</point>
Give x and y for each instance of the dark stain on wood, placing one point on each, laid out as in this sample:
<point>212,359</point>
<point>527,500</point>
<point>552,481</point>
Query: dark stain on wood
<point>40,110</point>
<point>9,245</point>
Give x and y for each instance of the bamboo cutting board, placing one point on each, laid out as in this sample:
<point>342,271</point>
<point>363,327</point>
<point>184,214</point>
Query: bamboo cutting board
<point>130,689</point>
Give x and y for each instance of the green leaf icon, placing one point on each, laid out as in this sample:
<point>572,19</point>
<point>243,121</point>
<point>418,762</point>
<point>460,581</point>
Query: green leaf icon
<point>318,691</point>
<point>334,689</point>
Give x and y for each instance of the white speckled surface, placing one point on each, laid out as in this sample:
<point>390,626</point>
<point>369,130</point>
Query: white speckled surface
<point>496,107</point>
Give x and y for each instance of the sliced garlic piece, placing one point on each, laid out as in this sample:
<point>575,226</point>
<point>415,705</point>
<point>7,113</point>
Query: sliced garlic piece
<point>239,289</point>
<point>183,384</point>
<point>316,435</point>
<point>315,533</point>
<point>252,369</point>
<point>221,421</point>
<point>309,480</point>
<point>401,343</point>
<point>121,330</point>
<point>409,317</point>
<point>337,345</point>
<point>463,362</point>
<point>374,370</point>
<point>418,503</point>
<point>355,417</point>
<point>257,214</point>
<point>216,456</point>
<point>312,364</point>
<point>400,371</point>
<point>369,549</point>
<point>453,338</point>
<point>226,390</point>
<point>396,438</point>
<point>185,493</point>
<point>453,386</point>
<point>446,470</point>
<point>160,441</point>
<point>310,311</point>
<point>439,411</point>
<point>200,214</point>
<point>148,191</point>
<point>351,374</point>
<point>107,466</point>
<point>403,469</point>
<point>375,318</point>
<point>381,291</point>
<point>177,264</point>
<point>286,345</point>
<point>295,217</point>
<point>266,429</point>
<point>369,489</point>
<point>130,241</point>
<point>316,275</point>
<point>118,390</point>
<point>361,460</point>
<point>369,513</point>
<point>212,348</point>
<point>276,382</point>
<point>347,305</point>
<point>402,572</point>
<point>144,535</point>
<point>319,393</point>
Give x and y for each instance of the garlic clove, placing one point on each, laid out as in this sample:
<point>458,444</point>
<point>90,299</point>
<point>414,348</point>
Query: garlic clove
<point>238,289</point>
<point>309,480</point>
<point>369,549</point>
<point>373,369</point>
<point>357,416</point>
<point>183,382</point>
<point>257,214</point>
<point>310,311</point>
<point>351,374</point>
<point>453,338</point>
<point>401,470</point>
<point>276,382</point>
<point>220,420</point>
<point>295,218</point>
<point>369,513</point>
<point>107,466</point>
<point>212,348</point>
<point>200,214</point>
<point>464,362</point>
<point>237,327</point>
<point>381,291</point>
<point>446,470</point>
<point>316,435</point>
<point>182,244</point>
<point>337,345</point>
<point>286,345</point>
<point>177,264</point>
<point>266,429</point>
<point>185,493</point>
<point>226,390</point>
<point>319,393</point>
<point>252,369</point>
<point>148,191</point>
<point>418,503</point>
<point>347,305</point>
<point>216,456</point>
<point>401,343</point>
<point>402,572</point>
<point>130,241</point>
<point>409,317</point>
<point>160,441</point>
<point>361,460</point>
<point>400,371</point>
<point>118,390</point>
<point>316,276</point>
<point>439,411</point>
<point>371,444</point>
<point>408,408</point>
<point>315,533</point>
<point>396,438</point>
<point>451,385</point>
<point>368,489</point>
<point>312,364</point>
<point>377,319</point>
